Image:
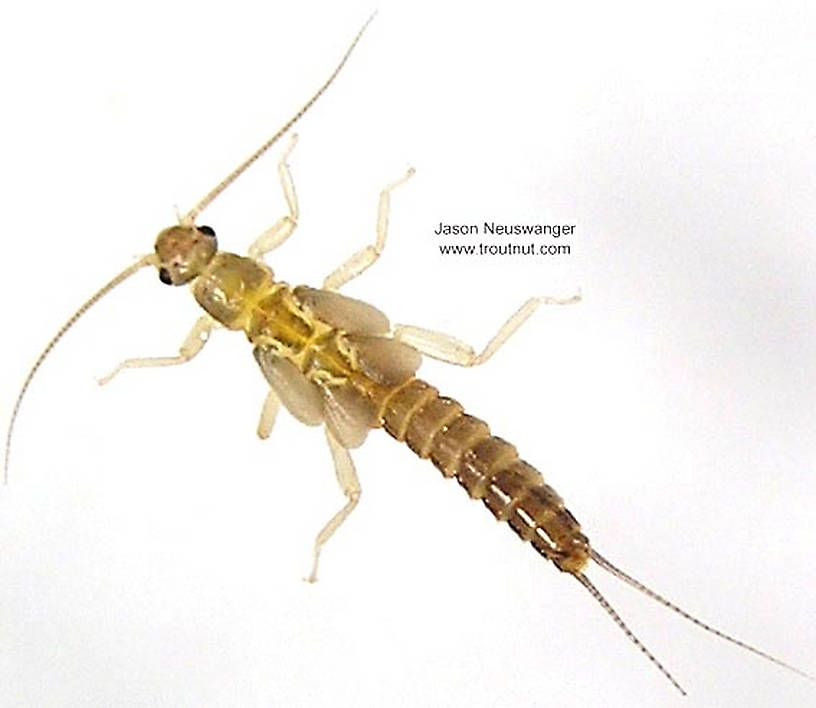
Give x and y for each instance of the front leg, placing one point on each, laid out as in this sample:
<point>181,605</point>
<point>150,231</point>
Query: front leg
<point>281,230</point>
<point>191,346</point>
<point>365,258</point>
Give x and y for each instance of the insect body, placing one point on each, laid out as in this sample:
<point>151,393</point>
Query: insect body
<point>330,360</point>
<point>336,361</point>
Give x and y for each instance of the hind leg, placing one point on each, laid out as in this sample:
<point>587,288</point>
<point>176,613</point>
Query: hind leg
<point>350,486</point>
<point>454,351</point>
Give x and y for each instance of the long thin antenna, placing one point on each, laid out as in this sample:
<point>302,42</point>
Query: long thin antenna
<point>190,217</point>
<point>629,580</point>
<point>628,632</point>
<point>149,259</point>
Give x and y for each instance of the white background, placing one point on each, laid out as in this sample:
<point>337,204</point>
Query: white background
<point>151,549</point>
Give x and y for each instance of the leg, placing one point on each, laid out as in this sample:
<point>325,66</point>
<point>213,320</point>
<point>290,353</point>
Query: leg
<point>269,413</point>
<point>365,258</point>
<point>191,346</point>
<point>454,351</point>
<point>347,477</point>
<point>283,228</point>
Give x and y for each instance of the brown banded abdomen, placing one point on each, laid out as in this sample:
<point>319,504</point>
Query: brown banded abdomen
<point>489,469</point>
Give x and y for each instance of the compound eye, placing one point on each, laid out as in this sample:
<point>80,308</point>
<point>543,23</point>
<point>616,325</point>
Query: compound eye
<point>208,230</point>
<point>164,276</point>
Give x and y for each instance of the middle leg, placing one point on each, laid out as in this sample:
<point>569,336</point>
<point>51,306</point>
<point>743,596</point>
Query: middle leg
<point>269,413</point>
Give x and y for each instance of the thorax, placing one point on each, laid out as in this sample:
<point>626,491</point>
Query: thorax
<point>243,295</point>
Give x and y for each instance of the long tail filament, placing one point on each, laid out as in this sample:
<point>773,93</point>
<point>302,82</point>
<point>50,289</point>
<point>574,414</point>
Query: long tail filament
<point>629,580</point>
<point>628,632</point>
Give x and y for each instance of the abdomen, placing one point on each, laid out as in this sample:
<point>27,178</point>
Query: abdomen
<point>489,469</point>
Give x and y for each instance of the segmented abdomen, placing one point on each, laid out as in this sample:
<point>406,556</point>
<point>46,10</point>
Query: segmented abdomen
<point>488,468</point>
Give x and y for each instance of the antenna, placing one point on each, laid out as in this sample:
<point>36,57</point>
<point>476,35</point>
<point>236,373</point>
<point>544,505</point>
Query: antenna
<point>191,215</point>
<point>147,260</point>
